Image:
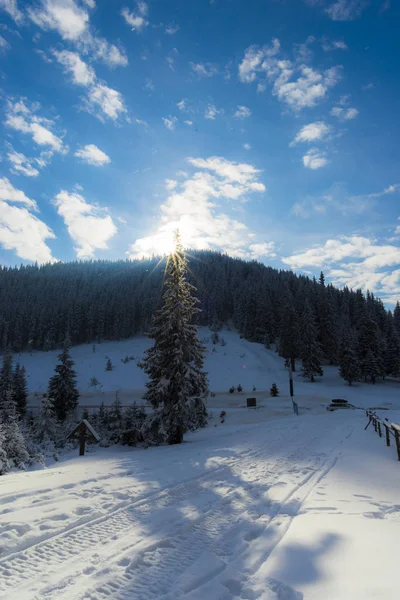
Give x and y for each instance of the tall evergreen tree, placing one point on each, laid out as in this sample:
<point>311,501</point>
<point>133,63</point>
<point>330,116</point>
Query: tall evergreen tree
<point>177,384</point>
<point>369,350</point>
<point>289,335</point>
<point>14,443</point>
<point>20,390</point>
<point>311,352</point>
<point>392,355</point>
<point>6,378</point>
<point>62,386</point>
<point>4,465</point>
<point>349,367</point>
<point>46,429</point>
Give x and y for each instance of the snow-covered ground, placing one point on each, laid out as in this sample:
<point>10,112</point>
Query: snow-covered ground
<point>265,506</point>
<point>288,508</point>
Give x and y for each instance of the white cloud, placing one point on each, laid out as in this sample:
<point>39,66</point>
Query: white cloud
<point>92,155</point>
<point>88,228</point>
<point>63,16</point>
<point>100,100</point>
<point>338,199</point>
<point>344,113</point>
<point>314,159</point>
<point>71,21</point>
<point>182,104</point>
<point>170,122</point>
<point>243,112</point>
<point>328,46</point>
<point>21,165</point>
<point>4,45</point>
<point>23,118</point>
<point>212,112</point>
<point>82,74</point>
<point>20,230</point>
<point>296,84</point>
<point>194,207</point>
<point>247,146</point>
<point>101,49</point>
<point>11,194</point>
<point>109,101</point>
<point>11,8</point>
<point>172,29</point>
<point>204,69</point>
<point>346,10</point>
<point>188,122</point>
<point>137,20</point>
<point>170,184</point>
<point>312,132</point>
<point>355,261</point>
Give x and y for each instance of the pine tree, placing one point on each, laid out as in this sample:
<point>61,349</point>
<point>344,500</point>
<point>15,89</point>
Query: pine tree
<point>6,378</point>
<point>371,366</point>
<point>20,390</point>
<point>177,383</point>
<point>274,392</point>
<point>369,350</point>
<point>14,443</point>
<point>311,353</point>
<point>109,365</point>
<point>349,367</point>
<point>289,334</point>
<point>392,355</point>
<point>62,386</point>
<point>45,428</point>
<point>4,464</point>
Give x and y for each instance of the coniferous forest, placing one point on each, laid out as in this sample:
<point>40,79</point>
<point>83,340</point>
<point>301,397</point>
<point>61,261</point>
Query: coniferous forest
<point>306,318</point>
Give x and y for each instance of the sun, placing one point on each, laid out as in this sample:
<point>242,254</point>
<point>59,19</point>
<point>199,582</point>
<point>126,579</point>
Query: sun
<point>163,243</point>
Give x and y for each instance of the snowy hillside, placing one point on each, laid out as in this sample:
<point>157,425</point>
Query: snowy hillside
<point>237,362</point>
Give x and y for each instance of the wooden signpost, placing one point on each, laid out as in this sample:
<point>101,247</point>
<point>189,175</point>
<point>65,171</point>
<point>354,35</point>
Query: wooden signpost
<point>84,432</point>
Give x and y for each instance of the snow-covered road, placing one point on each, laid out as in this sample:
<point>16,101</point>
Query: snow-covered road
<point>212,519</point>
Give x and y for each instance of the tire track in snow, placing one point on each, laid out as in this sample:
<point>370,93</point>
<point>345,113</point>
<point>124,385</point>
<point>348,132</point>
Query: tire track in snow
<point>54,551</point>
<point>155,566</point>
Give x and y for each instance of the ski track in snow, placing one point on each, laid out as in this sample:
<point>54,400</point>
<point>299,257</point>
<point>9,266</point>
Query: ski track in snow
<point>149,548</point>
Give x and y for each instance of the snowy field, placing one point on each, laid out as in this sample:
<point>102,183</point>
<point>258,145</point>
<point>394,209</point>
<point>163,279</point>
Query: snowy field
<point>238,362</point>
<point>265,506</point>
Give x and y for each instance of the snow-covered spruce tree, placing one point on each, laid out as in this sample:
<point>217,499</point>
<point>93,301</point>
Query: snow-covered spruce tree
<point>14,443</point>
<point>289,334</point>
<point>20,390</point>
<point>62,386</point>
<point>6,378</point>
<point>311,352</point>
<point>369,350</point>
<point>392,354</point>
<point>177,384</point>
<point>349,367</point>
<point>4,465</point>
<point>45,428</point>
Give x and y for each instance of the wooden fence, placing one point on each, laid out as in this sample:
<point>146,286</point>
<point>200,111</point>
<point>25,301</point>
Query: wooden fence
<point>384,427</point>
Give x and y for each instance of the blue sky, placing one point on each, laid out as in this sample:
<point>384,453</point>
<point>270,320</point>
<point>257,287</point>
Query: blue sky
<point>265,129</point>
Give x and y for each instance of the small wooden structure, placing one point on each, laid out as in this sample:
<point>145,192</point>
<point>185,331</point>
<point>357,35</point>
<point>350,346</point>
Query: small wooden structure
<point>84,432</point>
<point>251,402</point>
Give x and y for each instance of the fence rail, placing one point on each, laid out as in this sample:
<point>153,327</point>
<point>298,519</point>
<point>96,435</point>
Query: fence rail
<point>392,430</point>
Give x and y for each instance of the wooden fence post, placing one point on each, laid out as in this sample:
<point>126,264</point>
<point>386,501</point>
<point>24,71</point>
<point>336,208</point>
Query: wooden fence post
<point>379,429</point>
<point>387,435</point>
<point>375,424</point>
<point>397,438</point>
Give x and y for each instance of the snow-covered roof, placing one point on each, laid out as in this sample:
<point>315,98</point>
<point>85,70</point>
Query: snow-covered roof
<point>91,429</point>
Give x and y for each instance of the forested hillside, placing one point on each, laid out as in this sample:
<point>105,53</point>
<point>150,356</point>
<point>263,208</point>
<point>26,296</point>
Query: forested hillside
<point>114,300</point>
